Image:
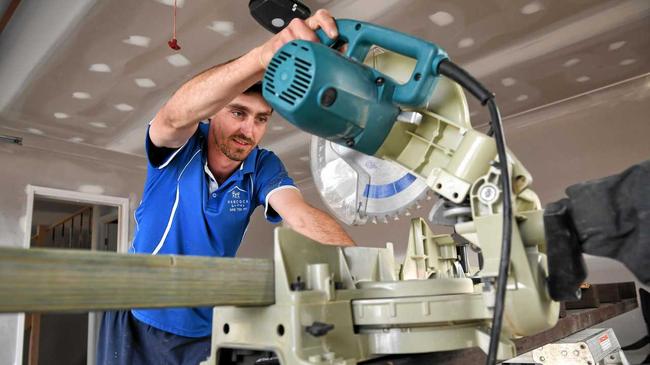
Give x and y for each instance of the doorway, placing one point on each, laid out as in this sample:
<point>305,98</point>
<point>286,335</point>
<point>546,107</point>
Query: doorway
<point>60,219</point>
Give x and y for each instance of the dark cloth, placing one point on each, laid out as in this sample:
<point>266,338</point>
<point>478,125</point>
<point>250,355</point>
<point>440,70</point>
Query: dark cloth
<point>612,217</point>
<point>607,217</point>
<point>123,340</point>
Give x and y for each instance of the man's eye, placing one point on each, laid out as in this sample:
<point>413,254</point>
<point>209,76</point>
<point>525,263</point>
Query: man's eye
<point>262,120</point>
<point>237,113</point>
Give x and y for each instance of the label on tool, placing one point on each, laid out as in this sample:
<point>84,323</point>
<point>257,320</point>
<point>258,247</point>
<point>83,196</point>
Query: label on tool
<point>604,342</point>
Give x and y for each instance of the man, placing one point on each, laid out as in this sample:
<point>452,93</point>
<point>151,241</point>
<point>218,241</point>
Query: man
<point>203,182</point>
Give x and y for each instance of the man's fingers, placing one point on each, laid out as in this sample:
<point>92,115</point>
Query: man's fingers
<point>323,19</point>
<point>312,23</point>
<point>299,29</point>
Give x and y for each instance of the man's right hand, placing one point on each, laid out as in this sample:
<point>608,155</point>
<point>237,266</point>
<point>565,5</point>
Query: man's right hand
<point>298,29</point>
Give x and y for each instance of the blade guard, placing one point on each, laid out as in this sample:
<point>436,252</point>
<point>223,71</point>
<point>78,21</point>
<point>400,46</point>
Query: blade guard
<point>369,189</point>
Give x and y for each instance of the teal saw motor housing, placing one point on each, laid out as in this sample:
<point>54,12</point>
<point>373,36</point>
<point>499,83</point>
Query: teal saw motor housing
<point>336,97</point>
<point>322,93</point>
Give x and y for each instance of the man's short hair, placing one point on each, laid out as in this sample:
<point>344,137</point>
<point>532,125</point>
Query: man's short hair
<point>256,88</point>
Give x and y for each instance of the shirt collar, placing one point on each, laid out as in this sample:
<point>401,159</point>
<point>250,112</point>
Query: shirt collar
<point>248,165</point>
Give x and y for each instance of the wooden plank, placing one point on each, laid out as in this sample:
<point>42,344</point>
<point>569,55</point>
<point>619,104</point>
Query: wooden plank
<point>34,339</point>
<point>589,299</point>
<point>575,321</point>
<point>48,280</point>
<point>8,13</point>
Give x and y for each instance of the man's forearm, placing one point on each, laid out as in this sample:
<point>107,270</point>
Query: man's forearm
<point>203,96</point>
<point>208,92</point>
<point>320,227</point>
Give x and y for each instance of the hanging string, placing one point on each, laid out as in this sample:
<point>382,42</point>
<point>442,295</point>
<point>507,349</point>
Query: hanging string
<point>173,43</point>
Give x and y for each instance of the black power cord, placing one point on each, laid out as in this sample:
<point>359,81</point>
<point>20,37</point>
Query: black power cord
<point>457,74</point>
<point>506,244</point>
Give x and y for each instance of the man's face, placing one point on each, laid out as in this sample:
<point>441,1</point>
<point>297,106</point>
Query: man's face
<point>238,128</point>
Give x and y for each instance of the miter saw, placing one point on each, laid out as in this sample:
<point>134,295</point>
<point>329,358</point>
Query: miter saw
<point>391,123</point>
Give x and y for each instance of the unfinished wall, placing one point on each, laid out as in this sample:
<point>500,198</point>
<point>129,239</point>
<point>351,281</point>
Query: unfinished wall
<point>45,162</point>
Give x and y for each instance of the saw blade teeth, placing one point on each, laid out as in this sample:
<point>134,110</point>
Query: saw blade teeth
<point>386,203</point>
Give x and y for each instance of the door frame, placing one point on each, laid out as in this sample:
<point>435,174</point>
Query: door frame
<point>123,206</point>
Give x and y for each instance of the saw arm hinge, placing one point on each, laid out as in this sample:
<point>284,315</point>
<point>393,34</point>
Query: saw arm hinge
<point>428,255</point>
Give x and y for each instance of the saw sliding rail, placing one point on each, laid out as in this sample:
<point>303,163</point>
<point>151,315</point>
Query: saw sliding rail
<point>49,280</point>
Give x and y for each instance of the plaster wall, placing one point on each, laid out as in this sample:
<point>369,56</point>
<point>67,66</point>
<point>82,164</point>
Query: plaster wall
<point>49,163</point>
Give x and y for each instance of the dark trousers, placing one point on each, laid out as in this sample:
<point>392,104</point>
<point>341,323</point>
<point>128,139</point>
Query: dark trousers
<point>124,340</point>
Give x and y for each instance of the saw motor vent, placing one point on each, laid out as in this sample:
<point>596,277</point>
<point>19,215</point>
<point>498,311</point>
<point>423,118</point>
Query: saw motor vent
<point>288,75</point>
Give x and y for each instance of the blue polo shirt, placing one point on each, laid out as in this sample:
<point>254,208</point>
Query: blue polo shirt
<point>185,212</point>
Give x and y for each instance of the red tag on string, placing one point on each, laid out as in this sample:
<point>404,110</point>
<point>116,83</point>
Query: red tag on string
<point>173,43</point>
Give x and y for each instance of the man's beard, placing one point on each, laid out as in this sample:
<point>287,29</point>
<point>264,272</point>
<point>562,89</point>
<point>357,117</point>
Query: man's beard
<point>236,153</point>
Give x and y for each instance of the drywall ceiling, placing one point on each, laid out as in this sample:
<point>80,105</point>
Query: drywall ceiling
<point>95,72</point>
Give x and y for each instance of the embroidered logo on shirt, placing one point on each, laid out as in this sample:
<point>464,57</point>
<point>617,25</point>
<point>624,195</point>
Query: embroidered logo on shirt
<point>237,200</point>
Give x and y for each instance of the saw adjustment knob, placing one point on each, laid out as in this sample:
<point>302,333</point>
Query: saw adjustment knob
<point>318,329</point>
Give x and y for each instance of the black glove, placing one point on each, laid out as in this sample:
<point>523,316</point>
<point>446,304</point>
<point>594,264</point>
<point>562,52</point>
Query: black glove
<point>608,217</point>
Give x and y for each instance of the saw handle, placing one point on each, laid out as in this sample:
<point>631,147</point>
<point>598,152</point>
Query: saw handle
<point>360,36</point>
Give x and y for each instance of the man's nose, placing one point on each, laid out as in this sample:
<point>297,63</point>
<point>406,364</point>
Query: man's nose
<point>246,127</point>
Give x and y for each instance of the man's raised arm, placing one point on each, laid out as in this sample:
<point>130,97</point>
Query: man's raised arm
<point>207,93</point>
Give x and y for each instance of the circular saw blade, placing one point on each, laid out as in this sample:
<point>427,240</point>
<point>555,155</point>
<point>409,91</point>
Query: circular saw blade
<point>358,188</point>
